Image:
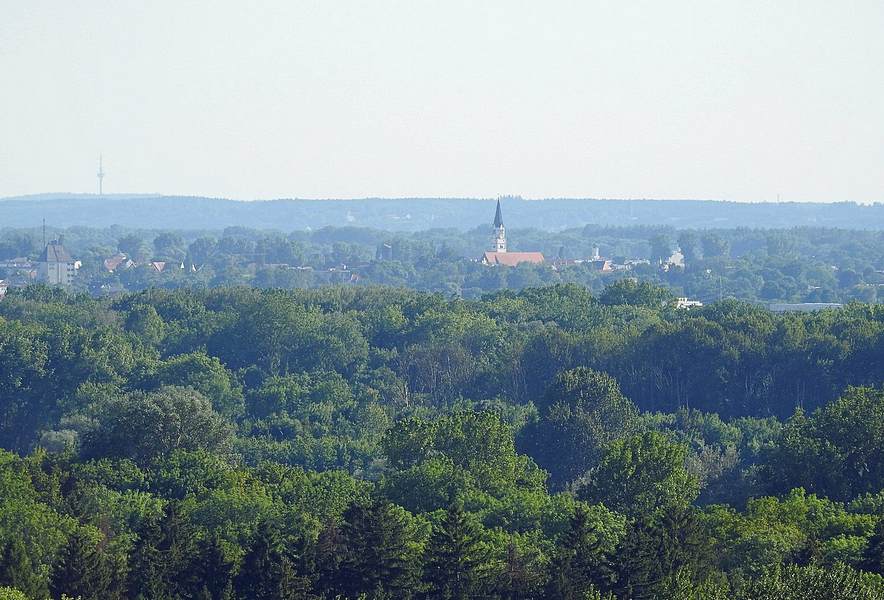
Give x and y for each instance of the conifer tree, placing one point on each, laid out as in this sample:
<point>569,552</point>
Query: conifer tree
<point>873,557</point>
<point>146,572</point>
<point>684,547</point>
<point>659,548</point>
<point>213,570</point>
<point>377,557</point>
<point>267,573</point>
<point>580,565</point>
<point>521,576</point>
<point>160,564</point>
<point>639,570</point>
<point>453,570</point>
<point>18,570</point>
<point>329,551</point>
<point>81,570</point>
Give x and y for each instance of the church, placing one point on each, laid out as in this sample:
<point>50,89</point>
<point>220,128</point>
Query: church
<point>498,255</point>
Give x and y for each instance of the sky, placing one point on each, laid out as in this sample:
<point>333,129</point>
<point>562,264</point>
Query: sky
<point>745,100</point>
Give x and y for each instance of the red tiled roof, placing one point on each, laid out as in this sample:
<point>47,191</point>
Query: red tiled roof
<point>511,259</point>
<point>113,262</point>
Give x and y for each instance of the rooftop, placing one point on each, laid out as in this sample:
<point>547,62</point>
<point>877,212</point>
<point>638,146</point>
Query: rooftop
<point>55,252</point>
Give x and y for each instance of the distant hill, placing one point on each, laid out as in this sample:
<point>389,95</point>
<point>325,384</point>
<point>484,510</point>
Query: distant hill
<point>413,214</point>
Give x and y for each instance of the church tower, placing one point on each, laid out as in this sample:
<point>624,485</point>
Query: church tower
<point>498,243</point>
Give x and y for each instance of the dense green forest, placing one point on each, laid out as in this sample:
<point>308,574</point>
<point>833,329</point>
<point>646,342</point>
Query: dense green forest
<point>756,265</point>
<point>378,442</point>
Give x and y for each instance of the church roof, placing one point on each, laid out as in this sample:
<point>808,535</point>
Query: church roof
<point>498,218</point>
<point>55,252</point>
<point>511,259</point>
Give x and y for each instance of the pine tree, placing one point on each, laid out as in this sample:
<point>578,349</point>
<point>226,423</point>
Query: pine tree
<point>873,557</point>
<point>518,579</point>
<point>580,565</point>
<point>377,557</point>
<point>455,557</point>
<point>160,563</point>
<point>146,570</point>
<point>18,571</point>
<point>81,570</point>
<point>213,571</point>
<point>657,550</point>
<point>267,573</point>
<point>329,551</point>
<point>684,546</point>
<point>639,570</point>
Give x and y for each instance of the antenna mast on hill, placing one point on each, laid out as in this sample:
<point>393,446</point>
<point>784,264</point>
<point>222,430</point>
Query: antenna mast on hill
<point>100,175</point>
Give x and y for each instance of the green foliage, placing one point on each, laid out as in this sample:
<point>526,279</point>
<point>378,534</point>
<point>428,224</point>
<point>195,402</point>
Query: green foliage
<point>635,293</point>
<point>19,571</point>
<point>144,427</point>
<point>82,570</point>
<point>846,436</point>
<point>814,583</point>
<point>582,413</point>
<point>221,443</point>
<point>643,474</point>
<point>581,564</point>
<point>206,375</point>
<point>379,551</point>
<point>455,557</point>
<point>267,572</point>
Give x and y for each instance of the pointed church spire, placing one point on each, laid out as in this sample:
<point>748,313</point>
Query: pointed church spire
<point>498,218</point>
<point>499,238</point>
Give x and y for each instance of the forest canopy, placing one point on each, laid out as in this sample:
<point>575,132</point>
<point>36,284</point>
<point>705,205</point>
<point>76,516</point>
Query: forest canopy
<point>378,442</point>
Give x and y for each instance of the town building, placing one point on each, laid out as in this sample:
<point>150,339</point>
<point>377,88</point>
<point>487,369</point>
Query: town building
<point>118,262</point>
<point>55,266</point>
<point>685,302</point>
<point>499,255</point>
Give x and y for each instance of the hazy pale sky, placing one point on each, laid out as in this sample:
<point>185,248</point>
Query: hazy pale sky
<point>737,100</point>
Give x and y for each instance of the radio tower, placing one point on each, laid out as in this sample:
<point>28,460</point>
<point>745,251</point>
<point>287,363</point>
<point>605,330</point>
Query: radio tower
<point>100,176</point>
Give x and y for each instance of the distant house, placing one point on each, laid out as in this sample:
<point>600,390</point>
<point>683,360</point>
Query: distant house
<point>158,265</point>
<point>684,302</point>
<point>675,260</point>
<point>499,256</point>
<point>3,288</point>
<point>55,266</point>
<point>16,263</point>
<point>602,265</point>
<point>117,262</point>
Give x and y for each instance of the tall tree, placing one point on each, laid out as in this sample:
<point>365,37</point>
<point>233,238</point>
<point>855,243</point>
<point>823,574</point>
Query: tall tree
<point>378,558</point>
<point>642,475</point>
<point>873,557</point>
<point>81,570</point>
<point>161,561</point>
<point>213,570</point>
<point>455,557</point>
<point>267,573</point>
<point>18,570</point>
<point>582,413</point>
<point>581,565</point>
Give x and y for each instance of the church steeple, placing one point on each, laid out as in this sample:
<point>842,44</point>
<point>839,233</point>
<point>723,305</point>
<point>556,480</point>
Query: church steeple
<point>499,240</point>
